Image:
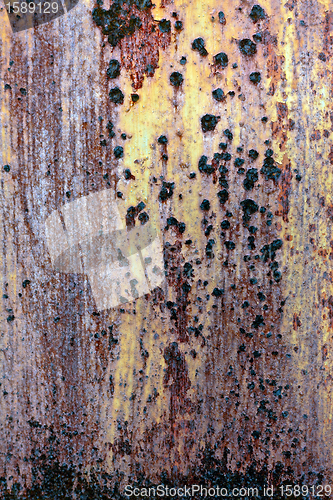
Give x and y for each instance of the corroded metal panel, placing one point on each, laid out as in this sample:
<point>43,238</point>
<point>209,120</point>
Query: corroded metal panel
<point>211,122</point>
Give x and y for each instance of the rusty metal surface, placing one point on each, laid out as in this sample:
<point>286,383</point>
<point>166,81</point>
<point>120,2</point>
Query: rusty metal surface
<point>222,373</point>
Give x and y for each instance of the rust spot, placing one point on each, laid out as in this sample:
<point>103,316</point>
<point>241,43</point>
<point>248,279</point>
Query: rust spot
<point>280,127</point>
<point>322,252</point>
<point>177,380</point>
<point>329,212</point>
<point>330,156</point>
<point>122,445</point>
<point>327,32</point>
<point>315,136</point>
<point>282,110</point>
<point>296,321</point>
<point>285,189</point>
<point>274,64</point>
<point>179,276</point>
<point>330,310</point>
<point>290,5</point>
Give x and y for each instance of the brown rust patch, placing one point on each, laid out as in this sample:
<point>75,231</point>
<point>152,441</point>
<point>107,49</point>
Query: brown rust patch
<point>296,321</point>
<point>329,305</point>
<point>177,380</point>
<point>281,126</point>
<point>140,52</point>
<point>327,33</point>
<point>67,334</point>
<point>285,189</point>
<point>315,136</point>
<point>329,212</point>
<point>130,24</point>
<point>274,64</point>
<point>280,130</point>
<point>176,276</point>
<point>330,156</point>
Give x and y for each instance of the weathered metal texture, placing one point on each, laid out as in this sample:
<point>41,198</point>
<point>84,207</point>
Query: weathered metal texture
<point>224,373</point>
